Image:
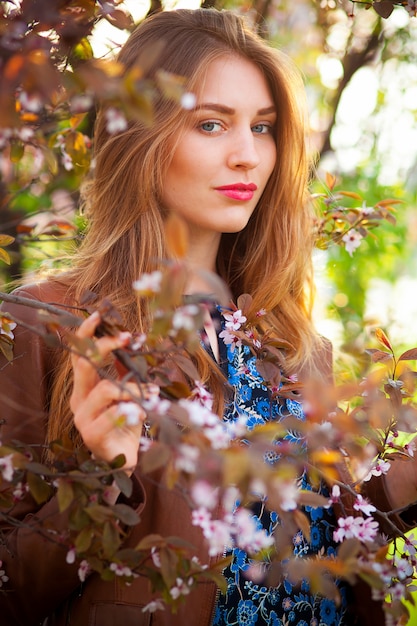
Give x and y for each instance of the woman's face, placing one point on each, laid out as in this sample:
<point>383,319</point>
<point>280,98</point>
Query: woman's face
<point>223,161</point>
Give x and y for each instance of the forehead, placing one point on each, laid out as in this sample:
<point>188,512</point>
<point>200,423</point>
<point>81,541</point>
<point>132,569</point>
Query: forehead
<point>234,81</point>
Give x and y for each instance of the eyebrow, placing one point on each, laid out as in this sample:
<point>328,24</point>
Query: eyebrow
<point>222,108</point>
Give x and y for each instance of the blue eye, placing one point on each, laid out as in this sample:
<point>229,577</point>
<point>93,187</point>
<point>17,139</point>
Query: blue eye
<point>262,129</point>
<point>210,126</point>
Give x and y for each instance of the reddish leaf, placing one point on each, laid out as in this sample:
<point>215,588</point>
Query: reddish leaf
<point>384,8</point>
<point>409,355</point>
<point>350,194</point>
<point>303,523</point>
<point>378,355</point>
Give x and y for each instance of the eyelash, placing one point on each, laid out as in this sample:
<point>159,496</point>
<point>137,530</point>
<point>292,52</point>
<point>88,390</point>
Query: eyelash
<point>266,127</point>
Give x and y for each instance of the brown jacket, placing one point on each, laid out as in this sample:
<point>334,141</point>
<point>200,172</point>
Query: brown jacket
<point>42,585</point>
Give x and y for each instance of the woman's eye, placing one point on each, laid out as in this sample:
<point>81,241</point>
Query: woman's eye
<point>210,127</point>
<point>262,129</point>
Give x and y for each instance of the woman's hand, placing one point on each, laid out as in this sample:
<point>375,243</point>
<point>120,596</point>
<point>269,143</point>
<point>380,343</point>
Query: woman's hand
<point>94,402</point>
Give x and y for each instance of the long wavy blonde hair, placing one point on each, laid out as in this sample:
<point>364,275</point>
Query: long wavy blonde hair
<point>270,258</point>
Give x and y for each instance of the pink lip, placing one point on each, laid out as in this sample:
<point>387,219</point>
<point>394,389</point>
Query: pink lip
<point>238,191</point>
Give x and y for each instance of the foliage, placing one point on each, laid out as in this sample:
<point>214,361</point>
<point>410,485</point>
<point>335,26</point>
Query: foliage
<point>186,441</point>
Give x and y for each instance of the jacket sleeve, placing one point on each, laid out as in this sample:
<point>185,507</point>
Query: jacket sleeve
<point>40,579</point>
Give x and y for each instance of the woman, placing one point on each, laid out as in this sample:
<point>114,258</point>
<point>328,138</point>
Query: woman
<point>235,169</point>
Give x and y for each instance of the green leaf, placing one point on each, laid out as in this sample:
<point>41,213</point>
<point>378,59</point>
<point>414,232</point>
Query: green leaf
<point>65,494</point>
<point>6,240</point>
<point>124,483</point>
<point>126,514</point>
<point>110,540</point>
<point>6,348</point>
<point>83,540</point>
<point>39,489</point>
<point>17,149</point>
<point>150,541</point>
<point>98,513</point>
<point>5,256</point>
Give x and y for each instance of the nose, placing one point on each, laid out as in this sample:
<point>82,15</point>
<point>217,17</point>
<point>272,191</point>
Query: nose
<point>243,152</point>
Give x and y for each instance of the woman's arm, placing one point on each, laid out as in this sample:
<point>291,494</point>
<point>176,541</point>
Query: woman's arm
<point>40,579</point>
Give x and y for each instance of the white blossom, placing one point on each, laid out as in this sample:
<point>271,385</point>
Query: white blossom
<point>361,504</point>
<point>129,412</point>
<point>154,605</point>
<point>352,240</point>
<point>115,121</point>
<point>6,467</point>
<point>148,284</point>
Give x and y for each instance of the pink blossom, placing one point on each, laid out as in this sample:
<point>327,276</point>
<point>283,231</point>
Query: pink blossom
<point>218,534</point>
<point>183,317</point>
<point>201,394</point>
<point>234,320</point>
<point>83,570</point>
<point>248,536</point>
<point>121,570</point>
<point>218,436</point>
<point>367,530</point>
<point>3,577</point>
<point>230,340</point>
<point>410,447</point>
<point>201,517</point>
<point>397,591</point>
<point>204,494</point>
<point>30,102</point>
<point>361,504</point>
<point>155,556</point>
<point>71,556</point>
<point>288,493</point>
<point>144,444</point>
<point>335,495</point>
<point>367,210</point>
<point>410,544</point>
<point>198,414</point>
<point>404,568</point>
<point>67,161</point>
<point>181,588</point>
<point>19,491</point>
<point>155,404</point>
<point>115,121</point>
<point>358,527</point>
<point>187,458</point>
<point>381,467</point>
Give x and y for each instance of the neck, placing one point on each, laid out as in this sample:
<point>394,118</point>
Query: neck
<point>201,258</point>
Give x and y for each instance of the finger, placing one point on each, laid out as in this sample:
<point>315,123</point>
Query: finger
<point>87,406</point>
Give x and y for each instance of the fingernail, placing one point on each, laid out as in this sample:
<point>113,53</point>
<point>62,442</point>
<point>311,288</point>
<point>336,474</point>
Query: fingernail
<point>95,316</point>
<point>124,336</point>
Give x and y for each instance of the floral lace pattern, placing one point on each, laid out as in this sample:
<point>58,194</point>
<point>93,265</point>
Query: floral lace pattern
<point>249,603</point>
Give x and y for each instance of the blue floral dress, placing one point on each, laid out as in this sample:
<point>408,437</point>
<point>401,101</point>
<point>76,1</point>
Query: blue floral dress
<point>247,603</point>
